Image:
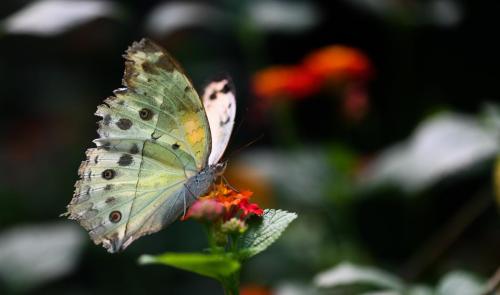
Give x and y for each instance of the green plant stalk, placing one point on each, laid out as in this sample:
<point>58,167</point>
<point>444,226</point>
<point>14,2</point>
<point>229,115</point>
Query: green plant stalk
<point>210,236</point>
<point>231,284</point>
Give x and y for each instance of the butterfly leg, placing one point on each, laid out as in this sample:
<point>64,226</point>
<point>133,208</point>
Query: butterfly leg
<point>185,203</point>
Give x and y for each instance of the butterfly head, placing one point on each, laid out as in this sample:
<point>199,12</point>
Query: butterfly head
<point>219,168</point>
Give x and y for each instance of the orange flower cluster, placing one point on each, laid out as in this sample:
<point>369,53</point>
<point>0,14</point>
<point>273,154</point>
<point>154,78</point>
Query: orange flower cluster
<point>223,201</point>
<point>339,64</point>
<point>285,82</point>
<point>333,64</point>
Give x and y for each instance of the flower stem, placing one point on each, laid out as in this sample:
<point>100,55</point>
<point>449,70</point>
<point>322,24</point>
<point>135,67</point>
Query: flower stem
<point>210,236</point>
<point>231,284</point>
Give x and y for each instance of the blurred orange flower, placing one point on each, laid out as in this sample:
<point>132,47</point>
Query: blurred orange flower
<point>284,82</point>
<point>339,64</point>
<point>336,64</point>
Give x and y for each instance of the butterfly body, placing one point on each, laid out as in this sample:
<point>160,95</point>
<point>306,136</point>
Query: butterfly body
<point>200,183</point>
<point>153,157</point>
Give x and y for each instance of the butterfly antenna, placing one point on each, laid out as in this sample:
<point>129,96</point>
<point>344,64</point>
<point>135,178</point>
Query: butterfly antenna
<point>242,120</point>
<point>245,146</point>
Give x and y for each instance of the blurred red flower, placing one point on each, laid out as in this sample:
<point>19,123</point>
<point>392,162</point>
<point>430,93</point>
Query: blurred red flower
<point>254,290</point>
<point>284,82</point>
<point>342,69</point>
<point>339,64</point>
<point>223,201</point>
<point>206,210</point>
<point>355,103</point>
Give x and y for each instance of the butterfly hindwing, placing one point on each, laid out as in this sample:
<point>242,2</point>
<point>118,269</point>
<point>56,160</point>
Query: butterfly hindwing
<point>154,136</point>
<point>220,105</point>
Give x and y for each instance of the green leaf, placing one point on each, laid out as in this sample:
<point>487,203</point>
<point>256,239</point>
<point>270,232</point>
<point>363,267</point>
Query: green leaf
<point>347,274</point>
<point>217,266</point>
<point>260,236</point>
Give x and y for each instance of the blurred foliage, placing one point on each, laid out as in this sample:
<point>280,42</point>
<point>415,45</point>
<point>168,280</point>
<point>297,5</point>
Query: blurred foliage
<point>346,154</point>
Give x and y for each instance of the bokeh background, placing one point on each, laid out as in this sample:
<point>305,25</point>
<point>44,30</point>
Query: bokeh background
<point>376,121</point>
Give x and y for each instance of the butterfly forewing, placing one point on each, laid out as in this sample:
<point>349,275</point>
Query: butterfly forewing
<point>220,106</point>
<point>154,136</point>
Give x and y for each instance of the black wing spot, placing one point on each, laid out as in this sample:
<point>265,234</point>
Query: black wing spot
<point>125,160</point>
<point>108,187</point>
<point>175,146</point>
<point>106,120</point>
<point>222,123</point>
<point>106,146</point>
<point>96,159</point>
<point>108,174</point>
<point>145,114</point>
<point>226,88</point>
<point>124,124</point>
<point>115,216</point>
<point>213,95</point>
<point>149,68</point>
<point>134,149</point>
<point>110,200</point>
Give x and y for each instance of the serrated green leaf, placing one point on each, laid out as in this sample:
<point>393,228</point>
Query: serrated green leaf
<point>217,266</point>
<point>258,237</point>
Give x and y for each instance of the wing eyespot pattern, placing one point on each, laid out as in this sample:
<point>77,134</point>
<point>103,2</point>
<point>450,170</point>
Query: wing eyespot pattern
<point>108,174</point>
<point>145,114</point>
<point>115,216</point>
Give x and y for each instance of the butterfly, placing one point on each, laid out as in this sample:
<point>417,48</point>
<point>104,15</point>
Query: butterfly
<point>158,149</point>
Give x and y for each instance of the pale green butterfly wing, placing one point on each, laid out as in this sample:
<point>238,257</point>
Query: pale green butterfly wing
<point>154,136</point>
